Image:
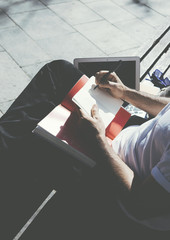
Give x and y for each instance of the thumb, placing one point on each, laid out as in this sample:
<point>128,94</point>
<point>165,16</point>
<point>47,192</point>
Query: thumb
<point>95,111</point>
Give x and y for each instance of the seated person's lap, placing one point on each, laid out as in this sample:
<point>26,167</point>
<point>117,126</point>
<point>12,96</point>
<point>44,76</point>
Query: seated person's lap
<point>25,155</point>
<point>19,149</point>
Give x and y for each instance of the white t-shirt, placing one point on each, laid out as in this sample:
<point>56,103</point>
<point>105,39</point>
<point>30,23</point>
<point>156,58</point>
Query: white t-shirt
<point>146,150</point>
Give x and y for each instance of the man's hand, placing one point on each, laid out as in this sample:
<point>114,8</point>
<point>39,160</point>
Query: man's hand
<point>113,84</point>
<point>149,103</point>
<point>92,126</point>
<point>93,131</point>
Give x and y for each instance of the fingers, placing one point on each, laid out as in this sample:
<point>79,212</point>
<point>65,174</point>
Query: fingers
<point>108,83</point>
<point>83,114</point>
<point>95,111</point>
<point>99,75</point>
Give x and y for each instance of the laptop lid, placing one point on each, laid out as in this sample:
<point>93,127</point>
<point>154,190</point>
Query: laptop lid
<point>128,72</point>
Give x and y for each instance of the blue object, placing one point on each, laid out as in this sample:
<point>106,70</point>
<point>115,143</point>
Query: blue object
<point>157,78</point>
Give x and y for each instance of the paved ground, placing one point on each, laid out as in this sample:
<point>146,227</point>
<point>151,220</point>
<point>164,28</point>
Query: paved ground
<point>33,32</point>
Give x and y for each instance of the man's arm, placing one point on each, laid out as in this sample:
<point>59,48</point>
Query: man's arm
<point>149,103</point>
<point>143,198</point>
<point>93,128</point>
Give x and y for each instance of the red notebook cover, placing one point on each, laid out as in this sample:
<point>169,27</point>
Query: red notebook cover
<point>62,123</point>
<point>67,102</point>
<point>117,123</point>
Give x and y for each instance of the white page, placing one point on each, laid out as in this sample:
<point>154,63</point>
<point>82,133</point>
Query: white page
<point>87,97</point>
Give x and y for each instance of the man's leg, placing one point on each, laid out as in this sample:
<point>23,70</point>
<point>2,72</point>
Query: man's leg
<point>26,161</point>
<point>45,91</point>
<point>30,161</point>
<point>29,167</point>
<point>19,149</point>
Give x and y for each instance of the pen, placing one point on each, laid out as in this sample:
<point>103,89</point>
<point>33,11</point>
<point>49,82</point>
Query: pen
<point>103,79</point>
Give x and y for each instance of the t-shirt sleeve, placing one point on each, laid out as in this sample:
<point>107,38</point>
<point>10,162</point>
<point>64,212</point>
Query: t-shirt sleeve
<point>161,172</point>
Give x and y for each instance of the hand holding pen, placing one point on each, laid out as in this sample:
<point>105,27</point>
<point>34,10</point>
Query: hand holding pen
<point>113,84</point>
<point>105,76</point>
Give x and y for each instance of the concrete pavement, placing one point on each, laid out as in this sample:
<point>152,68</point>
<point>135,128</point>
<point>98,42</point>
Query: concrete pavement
<point>34,32</point>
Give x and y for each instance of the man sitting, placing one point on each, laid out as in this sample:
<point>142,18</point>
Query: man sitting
<point>137,166</point>
<point>139,160</point>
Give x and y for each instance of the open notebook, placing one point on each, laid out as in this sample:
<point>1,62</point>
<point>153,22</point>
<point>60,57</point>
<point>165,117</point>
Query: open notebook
<point>87,96</point>
<point>60,126</point>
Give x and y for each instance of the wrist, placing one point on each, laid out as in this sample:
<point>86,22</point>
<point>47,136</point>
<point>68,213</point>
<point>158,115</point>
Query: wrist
<point>101,137</point>
<point>126,93</point>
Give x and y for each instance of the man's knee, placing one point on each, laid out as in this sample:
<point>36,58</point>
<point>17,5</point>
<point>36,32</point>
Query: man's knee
<point>61,63</point>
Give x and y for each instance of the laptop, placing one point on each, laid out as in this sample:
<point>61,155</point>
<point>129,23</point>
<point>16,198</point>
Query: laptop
<point>128,71</point>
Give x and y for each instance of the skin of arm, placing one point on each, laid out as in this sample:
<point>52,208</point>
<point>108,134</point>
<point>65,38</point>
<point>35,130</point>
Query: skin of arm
<point>149,103</point>
<point>143,199</point>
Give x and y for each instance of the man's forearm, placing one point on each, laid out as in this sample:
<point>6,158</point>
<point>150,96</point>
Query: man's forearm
<point>149,103</point>
<point>120,173</point>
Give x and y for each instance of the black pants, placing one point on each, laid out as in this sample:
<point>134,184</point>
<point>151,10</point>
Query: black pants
<point>30,168</point>
<point>18,146</point>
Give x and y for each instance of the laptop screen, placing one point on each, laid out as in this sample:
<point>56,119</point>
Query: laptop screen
<point>128,71</point>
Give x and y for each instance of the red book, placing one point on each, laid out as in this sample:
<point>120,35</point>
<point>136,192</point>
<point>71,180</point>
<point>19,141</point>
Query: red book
<point>60,125</point>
